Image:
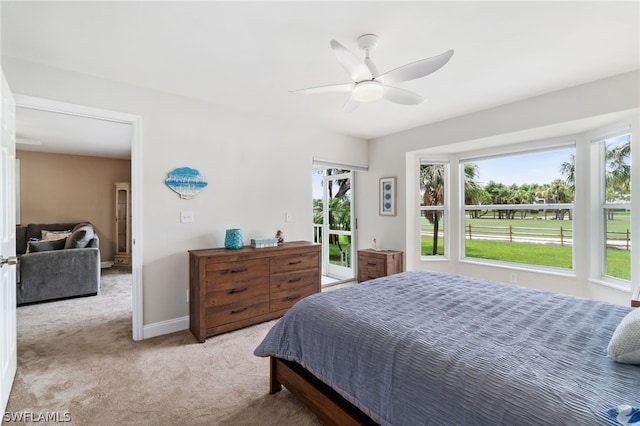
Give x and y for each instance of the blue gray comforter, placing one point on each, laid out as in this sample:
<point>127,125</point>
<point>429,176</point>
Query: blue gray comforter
<point>422,348</point>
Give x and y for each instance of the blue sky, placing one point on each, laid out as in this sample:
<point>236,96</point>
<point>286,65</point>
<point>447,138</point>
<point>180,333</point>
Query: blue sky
<point>536,168</point>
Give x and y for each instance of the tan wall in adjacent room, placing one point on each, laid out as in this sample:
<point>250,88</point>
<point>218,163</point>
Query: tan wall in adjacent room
<point>72,188</point>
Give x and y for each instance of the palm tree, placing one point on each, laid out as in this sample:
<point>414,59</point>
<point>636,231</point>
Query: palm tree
<point>432,185</point>
<point>561,193</point>
<point>568,168</point>
<point>344,185</point>
<point>474,194</point>
<point>618,173</point>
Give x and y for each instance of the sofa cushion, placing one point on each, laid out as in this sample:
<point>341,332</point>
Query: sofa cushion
<point>55,235</point>
<point>80,237</point>
<point>37,246</point>
<point>34,230</point>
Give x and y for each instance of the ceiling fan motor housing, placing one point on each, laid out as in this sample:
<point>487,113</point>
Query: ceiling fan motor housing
<point>367,41</point>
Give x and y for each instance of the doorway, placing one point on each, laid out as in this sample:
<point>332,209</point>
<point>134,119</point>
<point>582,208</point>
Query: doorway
<point>67,109</point>
<point>333,223</point>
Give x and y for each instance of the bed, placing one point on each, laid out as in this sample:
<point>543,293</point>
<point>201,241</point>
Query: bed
<point>424,348</point>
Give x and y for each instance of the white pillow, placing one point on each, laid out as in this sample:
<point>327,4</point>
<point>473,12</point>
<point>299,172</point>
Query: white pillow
<point>54,235</point>
<point>624,346</point>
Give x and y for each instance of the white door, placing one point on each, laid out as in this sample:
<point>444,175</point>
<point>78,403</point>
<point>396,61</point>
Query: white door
<point>337,241</point>
<point>8,354</point>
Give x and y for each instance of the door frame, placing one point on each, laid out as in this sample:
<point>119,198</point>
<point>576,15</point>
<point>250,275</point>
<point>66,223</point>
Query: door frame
<point>326,231</point>
<point>8,333</point>
<point>41,104</point>
<point>326,265</point>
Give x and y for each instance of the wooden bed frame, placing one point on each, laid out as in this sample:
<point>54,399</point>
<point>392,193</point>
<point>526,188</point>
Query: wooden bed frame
<point>325,402</point>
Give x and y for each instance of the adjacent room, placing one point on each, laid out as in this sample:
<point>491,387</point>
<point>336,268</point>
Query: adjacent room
<point>195,182</point>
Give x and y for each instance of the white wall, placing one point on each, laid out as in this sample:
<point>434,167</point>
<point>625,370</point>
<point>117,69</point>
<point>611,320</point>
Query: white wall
<point>258,168</point>
<point>551,115</point>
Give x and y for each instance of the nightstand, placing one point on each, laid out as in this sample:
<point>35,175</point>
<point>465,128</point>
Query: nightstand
<point>378,263</point>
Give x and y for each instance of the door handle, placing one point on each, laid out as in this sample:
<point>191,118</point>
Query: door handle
<point>12,260</point>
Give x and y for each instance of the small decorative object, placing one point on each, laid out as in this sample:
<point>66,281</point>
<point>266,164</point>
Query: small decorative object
<point>186,182</point>
<point>233,239</point>
<point>264,242</point>
<point>375,243</point>
<point>388,196</point>
<point>280,237</point>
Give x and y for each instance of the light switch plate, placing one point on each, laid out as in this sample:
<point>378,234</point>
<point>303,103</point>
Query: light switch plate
<point>186,216</point>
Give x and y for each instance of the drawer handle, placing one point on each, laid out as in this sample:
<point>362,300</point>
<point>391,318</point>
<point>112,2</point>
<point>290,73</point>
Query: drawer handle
<point>237,311</point>
<point>295,262</point>
<point>371,264</point>
<point>238,290</point>
<point>293,280</point>
<point>233,271</point>
<point>292,297</point>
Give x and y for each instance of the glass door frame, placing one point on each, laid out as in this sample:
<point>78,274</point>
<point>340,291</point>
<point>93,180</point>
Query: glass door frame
<point>332,270</point>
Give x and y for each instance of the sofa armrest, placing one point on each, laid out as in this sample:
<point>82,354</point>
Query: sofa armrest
<point>58,274</point>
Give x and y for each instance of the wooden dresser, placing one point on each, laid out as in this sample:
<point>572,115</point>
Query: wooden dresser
<point>378,263</point>
<point>231,289</point>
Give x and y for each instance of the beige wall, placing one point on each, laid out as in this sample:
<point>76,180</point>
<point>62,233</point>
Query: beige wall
<point>71,188</point>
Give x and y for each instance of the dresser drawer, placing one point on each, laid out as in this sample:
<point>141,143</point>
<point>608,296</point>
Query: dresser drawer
<point>287,289</point>
<point>295,262</point>
<point>233,312</point>
<point>372,266</point>
<point>242,292</point>
<point>235,275</point>
<point>365,274</point>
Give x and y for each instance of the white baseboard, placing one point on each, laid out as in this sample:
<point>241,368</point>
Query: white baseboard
<point>165,327</point>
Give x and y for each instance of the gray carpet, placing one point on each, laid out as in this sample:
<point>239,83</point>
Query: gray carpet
<point>77,360</point>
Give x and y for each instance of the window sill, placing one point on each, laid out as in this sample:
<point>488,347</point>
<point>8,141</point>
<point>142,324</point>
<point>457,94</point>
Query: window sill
<point>434,259</point>
<point>521,267</point>
<point>617,285</point>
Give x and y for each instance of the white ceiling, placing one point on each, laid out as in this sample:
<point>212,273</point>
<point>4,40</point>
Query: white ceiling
<point>248,56</point>
<point>46,131</point>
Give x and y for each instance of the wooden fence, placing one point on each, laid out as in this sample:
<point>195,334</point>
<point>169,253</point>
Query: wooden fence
<point>539,235</point>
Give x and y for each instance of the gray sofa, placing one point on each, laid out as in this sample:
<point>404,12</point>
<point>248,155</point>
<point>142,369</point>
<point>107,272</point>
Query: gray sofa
<point>57,269</point>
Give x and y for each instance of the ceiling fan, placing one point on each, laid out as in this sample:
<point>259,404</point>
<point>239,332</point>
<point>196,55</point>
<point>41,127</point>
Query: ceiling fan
<point>368,85</point>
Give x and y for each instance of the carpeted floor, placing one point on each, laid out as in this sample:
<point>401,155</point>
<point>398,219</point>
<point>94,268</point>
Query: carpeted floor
<point>78,361</point>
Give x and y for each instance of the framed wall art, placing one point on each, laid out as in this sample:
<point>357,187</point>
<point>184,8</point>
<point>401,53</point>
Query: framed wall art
<point>388,196</point>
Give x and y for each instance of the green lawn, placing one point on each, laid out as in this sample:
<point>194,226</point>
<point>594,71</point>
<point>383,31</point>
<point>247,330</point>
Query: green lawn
<point>530,254</point>
<point>427,246</point>
<point>619,264</point>
<point>618,261</point>
<point>334,251</point>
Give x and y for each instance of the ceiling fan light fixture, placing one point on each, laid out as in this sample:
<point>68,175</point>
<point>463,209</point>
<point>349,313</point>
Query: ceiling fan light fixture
<point>368,91</point>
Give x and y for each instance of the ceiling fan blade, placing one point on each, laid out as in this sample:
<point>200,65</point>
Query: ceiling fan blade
<point>401,96</point>
<point>350,105</point>
<point>416,69</point>
<point>354,66</point>
<point>333,88</point>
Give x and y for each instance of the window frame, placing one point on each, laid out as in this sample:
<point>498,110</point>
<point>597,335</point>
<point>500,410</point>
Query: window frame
<point>509,151</point>
<point>445,208</point>
<point>600,205</point>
